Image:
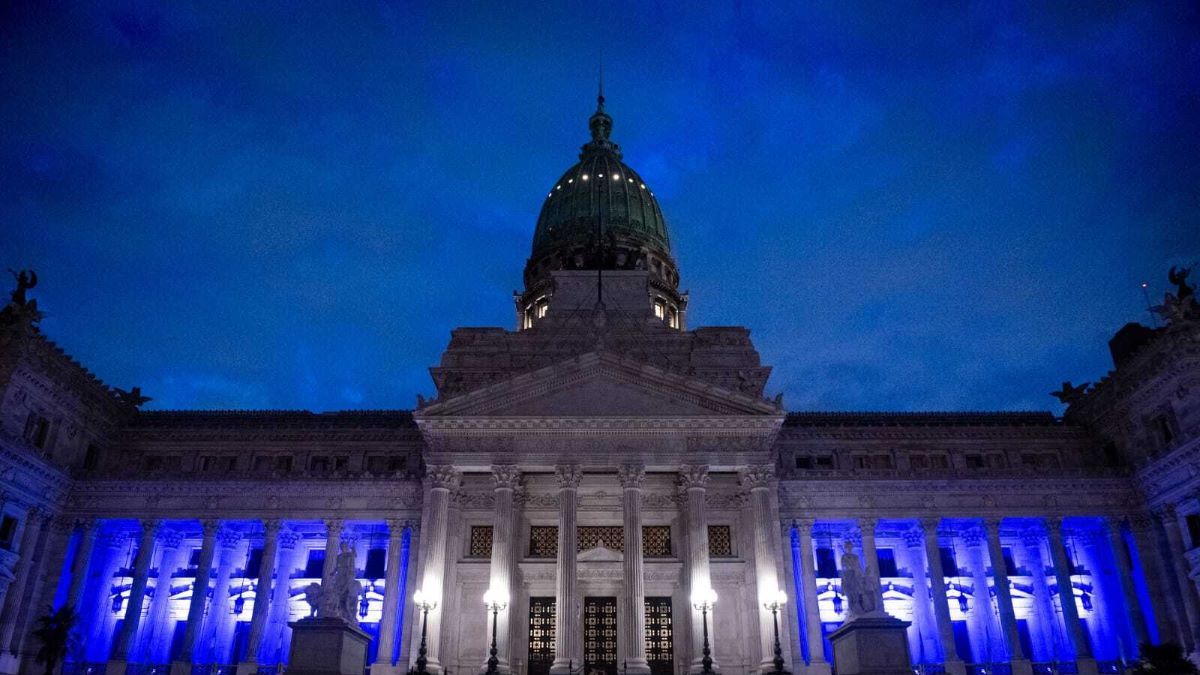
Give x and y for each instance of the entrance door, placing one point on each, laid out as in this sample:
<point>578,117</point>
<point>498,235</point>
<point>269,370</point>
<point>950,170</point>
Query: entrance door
<point>600,636</point>
<point>541,635</point>
<point>660,636</point>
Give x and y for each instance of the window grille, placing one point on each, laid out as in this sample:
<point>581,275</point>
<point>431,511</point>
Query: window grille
<point>659,636</point>
<point>481,542</point>
<point>656,541</point>
<point>720,541</point>
<point>590,537</point>
<point>600,635</point>
<point>541,635</point>
<point>543,541</point>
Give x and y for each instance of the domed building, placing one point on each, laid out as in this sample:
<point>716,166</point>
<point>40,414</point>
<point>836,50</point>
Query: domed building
<point>617,480</point>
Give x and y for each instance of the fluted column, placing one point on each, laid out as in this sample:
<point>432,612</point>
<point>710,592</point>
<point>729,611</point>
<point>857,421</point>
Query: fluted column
<point>923,615</point>
<point>987,634</point>
<point>866,528</point>
<point>1066,598</point>
<point>1045,621</point>
<point>1164,606</point>
<point>156,638</point>
<point>273,649</point>
<point>817,665</point>
<point>633,620</point>
<point>442,480</point>
<point>79,566</point>
<point>137,594</point>
<point>262,598</point>
<point>97,627</point>
<point>941,606</point>
<point>1133,606</point>
<point>1179,567</point>
<point>1008,617</point>
<point>33,539</point>
<point>758,480</point>
<point>507,479</point>
<point>568,625</point>
<point>694,483</point>
<point>182,665</point>
<point>218,623</point>
<point>392,600</point>
<point>407,609</point>
<point>333,541</point>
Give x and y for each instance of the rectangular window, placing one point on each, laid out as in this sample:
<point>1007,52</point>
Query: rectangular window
<point>383,465</point>
<point>1162,425</point>
<point>543,541</point>
<point>939,461</point>
<point>1010,563</point>
<point>194,558</point>
<point>1193,527</point>
<point>805,463</point>
<point>37,430</point>
<point>91,457</point>
<point>611,537</point>
<point>973,461</point>
<point>8,529</point>
<point>264,463</point>
<point>481,542</point>
<point>283,463</point>
<point>824,461</point>
<point>600,635</point>
<point>659,636</point>
<point>319,464</point>
<point>887,562</point>
<point>720,541</point>
<point>541,635</point>
<point>826,563</point>
<point>656,541</point>
<point>217,464</point>
<point>254,563</point>
<point>315,565</point>
<point>995,460</point>
<point>376,563</point>
<point>949,564</point>
<point>919,462</point>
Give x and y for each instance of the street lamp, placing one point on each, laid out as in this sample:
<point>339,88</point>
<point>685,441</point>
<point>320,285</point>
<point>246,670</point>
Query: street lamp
<point>494,600</point>
<point>703,599</point>
<point>424,602</point>
<point>774,603</point>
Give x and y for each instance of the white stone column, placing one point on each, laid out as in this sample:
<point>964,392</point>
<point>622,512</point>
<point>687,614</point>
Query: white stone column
<point>1164,606</point>
<point>941,606</point>
<point>1172,526</point>
<point>633,620</point>
<point>694,483</point>
<point>182,665</point>
<point>97,629</point>
<point>407,609</point>
<point>442,480</point>
<point>273,649</point>
<point>507,479</point>
<point>1008,617</point>
<point>866,529</point>
<point>79,566</point>
<point>817,665</point>
<point>1044,623</point>
<point>1066,598</point>
<point>568,622</point>
<point>156,638</point>
<point>759,481</point>
<point>33,536</point>
<point>262,597</point>
<point>986,632</point>
<point>1133,606</point>
<point>392,600</point>
<point>923,614</point>
<point>137,594</point>
<point>218,623</point>
<point>1107,627</point>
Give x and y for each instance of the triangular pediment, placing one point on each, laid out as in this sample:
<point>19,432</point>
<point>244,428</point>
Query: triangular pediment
<point>599,384</point>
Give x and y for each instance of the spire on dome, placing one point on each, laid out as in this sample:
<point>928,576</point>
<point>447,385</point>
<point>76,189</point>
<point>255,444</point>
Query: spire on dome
<point>600,125</point>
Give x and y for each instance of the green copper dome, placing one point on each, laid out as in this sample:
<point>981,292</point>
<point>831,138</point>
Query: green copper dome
<point>600,194</point>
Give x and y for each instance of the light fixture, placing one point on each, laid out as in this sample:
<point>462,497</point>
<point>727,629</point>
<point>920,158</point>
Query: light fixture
<point>364,605</point>
<point>1086,600</point>
<point>585,176</point>
<point>425,602</point>
<point>704,598</point>
<point>774,602</point>
<point>495,599</point>
<point>117,603</point>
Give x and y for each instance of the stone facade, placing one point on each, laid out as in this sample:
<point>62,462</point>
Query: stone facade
<point>600,466</point>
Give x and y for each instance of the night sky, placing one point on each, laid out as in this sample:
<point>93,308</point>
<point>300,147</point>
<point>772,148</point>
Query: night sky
<point>942,206</point>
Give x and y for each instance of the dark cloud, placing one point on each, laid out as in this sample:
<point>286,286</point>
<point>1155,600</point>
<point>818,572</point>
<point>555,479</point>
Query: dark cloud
<point>281,204</point>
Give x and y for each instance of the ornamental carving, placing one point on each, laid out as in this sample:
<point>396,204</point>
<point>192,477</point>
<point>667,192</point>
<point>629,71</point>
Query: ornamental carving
<point>171,538</point>
<point>229,538</point>
<point>506,476</point>
<point>914,537</point>
<point>442,477</point>
<point>568,475</point>
<point>693,476</point>
<point>973,537</point>
<point>288,538</point>
<point>757,476</point>
<point>631,476</point>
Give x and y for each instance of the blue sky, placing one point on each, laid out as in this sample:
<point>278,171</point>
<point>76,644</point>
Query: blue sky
<point>914,206</point>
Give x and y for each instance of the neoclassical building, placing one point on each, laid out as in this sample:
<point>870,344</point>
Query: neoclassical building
<point>599,464</point>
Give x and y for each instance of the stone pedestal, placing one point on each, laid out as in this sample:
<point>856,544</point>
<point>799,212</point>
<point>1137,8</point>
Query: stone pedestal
<point>872,645</point>
<point>327,647</point>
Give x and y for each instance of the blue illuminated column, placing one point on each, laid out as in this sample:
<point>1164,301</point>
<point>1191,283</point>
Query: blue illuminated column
<point>923,614</point>
<point>941,606</point>
<point>1044,624</point>
<point>195,618</point>
<point>1124,571</point>
<point>1163,606</point>
<point>1111,636</point>
<point>262,598</point>
<point>273,649</point>
<point>97,618</point>
<point>1066,598</point>
<point>393,598</point>
<point>155,640</point>
<point>218,624</point>
<point>1008,618</point>
<point>137,596</point>
<point>412,547</point>
<point>817,665</point>
<point>89,529</point>
<point>986,640</point>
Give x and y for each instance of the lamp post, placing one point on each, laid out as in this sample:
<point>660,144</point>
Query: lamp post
<point>703,600</point>
<point>495,601</point>
<point>774,604</point>
<point>425,604</point>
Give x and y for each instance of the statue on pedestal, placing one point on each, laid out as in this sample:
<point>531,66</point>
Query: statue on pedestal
<point>858,585</point>
<point>340,599</point>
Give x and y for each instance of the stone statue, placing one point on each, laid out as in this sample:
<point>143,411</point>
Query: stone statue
<point>132,398</point>
<point>340,600</point>
<point>312,595</point>
<point>1178,277</point>
<point>858,586</point>
<point>1069,394</point>
<point>27,279</point>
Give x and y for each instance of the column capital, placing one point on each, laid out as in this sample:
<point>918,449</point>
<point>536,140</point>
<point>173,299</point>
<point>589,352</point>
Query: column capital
<point>229,538</point>
<point>89,526</point>
<point>209,527</point>
<point>395,525</point>
<point>271,527</point>
<point>170,538</point>
<point>693,476</point>
<point>506,476</point>
<point>757,476</point>
<point>804,524</point>
<point>568,475</point>
<point>334,525</point>
<point>867,524</point>
<point>1054,526</point>
<point>974,536</point>
<point>930,523</point>
<point>992,524</point>
<point>442,477</point>
<point>288,538</point>
<point>631,476</point>
<point>914,537</point>
<point>113,540</point>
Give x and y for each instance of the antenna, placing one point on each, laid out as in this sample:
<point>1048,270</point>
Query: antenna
<point>1149,307</point>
